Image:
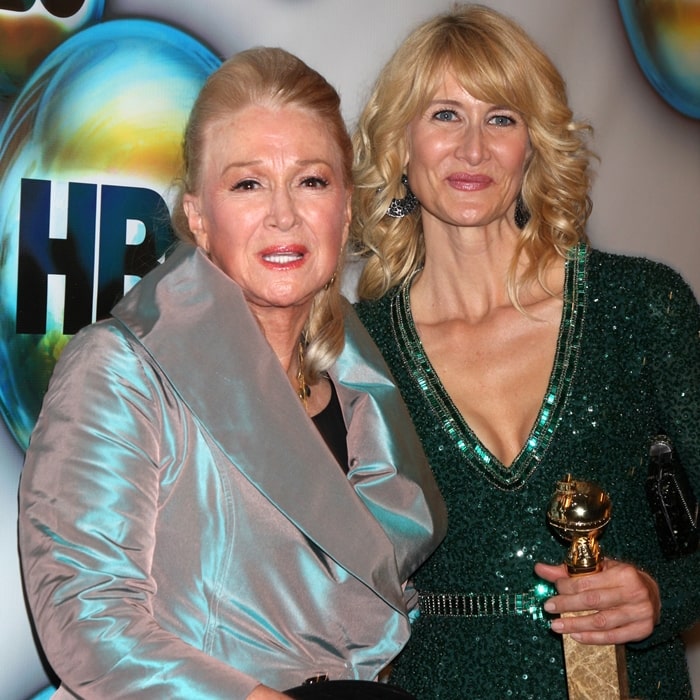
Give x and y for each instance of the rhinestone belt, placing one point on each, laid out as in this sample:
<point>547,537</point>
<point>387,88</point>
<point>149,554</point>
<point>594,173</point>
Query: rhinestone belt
<point>487,605</point>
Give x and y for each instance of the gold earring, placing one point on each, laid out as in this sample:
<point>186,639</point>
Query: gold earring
<point>330,282</point>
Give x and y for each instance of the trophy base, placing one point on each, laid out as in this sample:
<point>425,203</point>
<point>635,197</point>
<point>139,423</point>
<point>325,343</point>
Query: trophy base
<point>594,672</point>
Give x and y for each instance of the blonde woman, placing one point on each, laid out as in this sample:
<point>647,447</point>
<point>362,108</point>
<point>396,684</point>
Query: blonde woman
<point>223,496</point>
<point>523,354</point>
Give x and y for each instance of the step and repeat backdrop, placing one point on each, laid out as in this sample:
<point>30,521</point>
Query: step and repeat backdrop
<point>94,95</point>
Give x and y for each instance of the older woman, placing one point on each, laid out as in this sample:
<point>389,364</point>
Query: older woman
<point>223,496</point>
<point>522,354</point>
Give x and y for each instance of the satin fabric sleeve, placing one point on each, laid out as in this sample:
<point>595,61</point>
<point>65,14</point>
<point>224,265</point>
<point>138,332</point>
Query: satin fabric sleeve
<point>89,499</point>
<point>673,362</point>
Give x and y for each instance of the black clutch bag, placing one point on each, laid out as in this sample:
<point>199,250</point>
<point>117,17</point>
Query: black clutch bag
<point>348,690</point>
<point>672,501</point>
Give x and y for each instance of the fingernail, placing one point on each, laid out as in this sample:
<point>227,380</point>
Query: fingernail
<point>549,606</point>
<point>557,626</point>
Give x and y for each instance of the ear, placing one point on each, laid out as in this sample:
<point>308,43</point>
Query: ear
<point>195,221</point>
<point>406,148</point>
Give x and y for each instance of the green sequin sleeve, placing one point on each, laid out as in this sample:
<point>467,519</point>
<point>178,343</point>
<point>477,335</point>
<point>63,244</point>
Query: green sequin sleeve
<point>673,365</point>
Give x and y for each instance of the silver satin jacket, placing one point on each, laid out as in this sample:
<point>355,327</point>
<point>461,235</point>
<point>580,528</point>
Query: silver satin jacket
<point>184,530</point>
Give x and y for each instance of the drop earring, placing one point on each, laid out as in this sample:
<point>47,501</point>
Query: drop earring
<point>522,215</point>
<point>401,207</point>
<point>330,282</point>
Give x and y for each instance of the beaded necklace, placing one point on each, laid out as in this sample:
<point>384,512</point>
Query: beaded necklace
<point>419,367</point>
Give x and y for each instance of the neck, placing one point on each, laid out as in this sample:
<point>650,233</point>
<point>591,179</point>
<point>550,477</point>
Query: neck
<point>465,270</point>
<point>465,277</point>
<point>282,328</point>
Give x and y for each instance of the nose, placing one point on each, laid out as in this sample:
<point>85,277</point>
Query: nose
<point>282,213</point>
<point>472,146</point>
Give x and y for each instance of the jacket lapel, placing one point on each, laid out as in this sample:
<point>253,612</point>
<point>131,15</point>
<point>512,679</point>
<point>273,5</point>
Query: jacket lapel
<point>195,324</point>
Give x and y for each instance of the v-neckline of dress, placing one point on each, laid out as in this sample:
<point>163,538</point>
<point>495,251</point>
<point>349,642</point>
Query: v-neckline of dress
<point>477,455</point>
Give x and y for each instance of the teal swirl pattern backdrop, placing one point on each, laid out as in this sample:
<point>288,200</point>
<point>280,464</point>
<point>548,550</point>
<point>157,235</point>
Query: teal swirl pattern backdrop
<point>665,38</point>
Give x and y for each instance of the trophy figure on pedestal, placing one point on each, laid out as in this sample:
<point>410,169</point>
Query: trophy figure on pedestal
<point>579,511</point>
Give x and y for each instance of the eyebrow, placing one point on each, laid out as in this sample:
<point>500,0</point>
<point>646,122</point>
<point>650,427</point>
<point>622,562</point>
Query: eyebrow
<point>456,103</point>
<point>444,101</point>
<point>241,164</point>
<point>251,163</point>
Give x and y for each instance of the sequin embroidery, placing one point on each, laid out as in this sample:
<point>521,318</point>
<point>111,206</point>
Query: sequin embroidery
<point>418,365</point>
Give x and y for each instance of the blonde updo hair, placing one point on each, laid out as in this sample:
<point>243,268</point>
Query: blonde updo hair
<point>496,62</point>
<point>270,77</point>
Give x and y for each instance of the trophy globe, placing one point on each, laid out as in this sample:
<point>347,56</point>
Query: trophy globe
<point>579,511</point>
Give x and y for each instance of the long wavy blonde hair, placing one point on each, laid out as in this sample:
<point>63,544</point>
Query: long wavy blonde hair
<point>496,62</point>
<point>274,77</point>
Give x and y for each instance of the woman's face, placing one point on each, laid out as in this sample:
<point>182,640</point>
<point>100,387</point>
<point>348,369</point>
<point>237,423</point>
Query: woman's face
<point>466,158</point>
<point>273,210</point>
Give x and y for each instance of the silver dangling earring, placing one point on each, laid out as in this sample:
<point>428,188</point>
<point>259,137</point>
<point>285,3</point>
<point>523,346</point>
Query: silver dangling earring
<point>522,215</point>
<point>401,207</point>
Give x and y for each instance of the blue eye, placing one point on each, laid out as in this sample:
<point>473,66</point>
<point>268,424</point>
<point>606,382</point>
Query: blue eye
<point>502,120</point>
<point>445,115</point>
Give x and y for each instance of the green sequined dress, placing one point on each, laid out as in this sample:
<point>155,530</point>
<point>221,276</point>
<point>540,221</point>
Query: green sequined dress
<point>627,367</point>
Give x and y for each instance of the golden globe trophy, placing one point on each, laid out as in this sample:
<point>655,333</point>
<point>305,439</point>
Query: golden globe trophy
<point>579,511</point>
